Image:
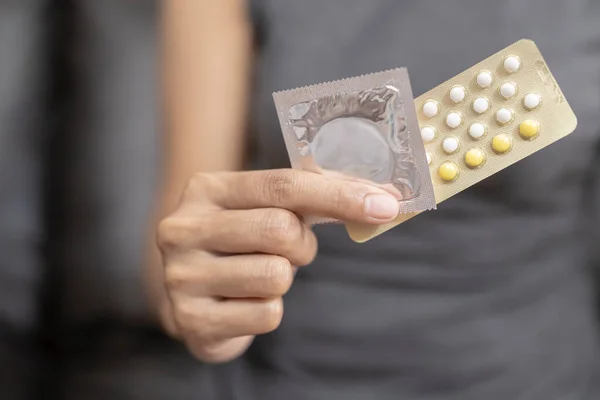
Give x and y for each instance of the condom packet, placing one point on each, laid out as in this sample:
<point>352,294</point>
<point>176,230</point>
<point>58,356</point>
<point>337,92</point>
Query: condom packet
<point>359,129</point>
<point>488,117</point>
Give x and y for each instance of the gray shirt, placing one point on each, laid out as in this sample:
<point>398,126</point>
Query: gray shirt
<point>490,297</point>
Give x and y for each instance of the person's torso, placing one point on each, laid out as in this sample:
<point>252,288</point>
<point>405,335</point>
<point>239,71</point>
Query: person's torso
<point>486,297</point>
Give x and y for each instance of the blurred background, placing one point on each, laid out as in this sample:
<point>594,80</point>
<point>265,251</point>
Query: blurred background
<point>79,165</point>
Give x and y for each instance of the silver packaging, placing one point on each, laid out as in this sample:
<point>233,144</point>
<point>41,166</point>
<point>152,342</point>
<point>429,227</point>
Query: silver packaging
<point>363,128</point>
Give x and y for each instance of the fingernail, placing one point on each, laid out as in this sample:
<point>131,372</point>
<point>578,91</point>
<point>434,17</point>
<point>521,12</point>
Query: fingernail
<point>381,206</point>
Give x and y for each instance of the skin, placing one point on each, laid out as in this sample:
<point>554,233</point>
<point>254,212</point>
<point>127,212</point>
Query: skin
<point>230,241</point>
<point>201,71</point>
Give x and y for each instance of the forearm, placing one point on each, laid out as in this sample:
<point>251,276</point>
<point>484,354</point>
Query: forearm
<point>206,50</point>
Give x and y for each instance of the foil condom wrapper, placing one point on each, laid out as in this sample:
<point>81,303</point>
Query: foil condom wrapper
<point>361,129</point>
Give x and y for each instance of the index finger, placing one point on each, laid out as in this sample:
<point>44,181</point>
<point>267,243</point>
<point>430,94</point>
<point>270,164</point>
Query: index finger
<point>305,193</point>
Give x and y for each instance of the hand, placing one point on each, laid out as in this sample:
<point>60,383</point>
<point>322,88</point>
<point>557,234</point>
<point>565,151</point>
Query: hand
<point>230,249</point>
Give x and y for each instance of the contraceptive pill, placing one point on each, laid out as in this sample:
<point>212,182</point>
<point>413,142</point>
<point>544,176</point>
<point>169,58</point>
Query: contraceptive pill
<point>529,129</point>
<point>504,116</point>
<point>475,157</point>
<point>454,119</point>
<point>508,90</point>
<point>512,64</point>
<point>527,112</point>
<point>431,108</point>
<point>477,130</point>
<point>458,93</point>
<point>501,143</point>
<point>481,105</point>
<point>532,101</point>
<point>485,79</point>
<point>427,133</point>
<point>450,145</point>
<point>448,171</point>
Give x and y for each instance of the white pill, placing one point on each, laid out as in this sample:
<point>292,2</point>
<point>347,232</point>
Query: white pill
<point>504,116</point>
<point>477,130</point>
<point>427,134</point>
<point>481,105</point>
<point>458,93</point>
<point>429,158</point>
<point>512,64</point>
<point>532,101</point>
<point>431,108</point>
<point>508,90</point>
<point>485,79</point>
<point>453,120</point>
<point>450,145</point>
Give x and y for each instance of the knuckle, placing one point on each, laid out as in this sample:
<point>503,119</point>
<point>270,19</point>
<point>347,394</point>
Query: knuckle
<point>198,183</point>
<point>174,279</point>
<point>280,186</point>
<point>166,319</point>
<point>212,323</point>
<point>281,227</point>
<point>307,253</point>
<point>181,278</point>
<point>168,234</point>
<point>179,232</point>
<point>195,322</point>
<point>336,196</point>
<point>184,318</point>
<point>278,276</point>
<point>273,315</point>
<point>199,187</point>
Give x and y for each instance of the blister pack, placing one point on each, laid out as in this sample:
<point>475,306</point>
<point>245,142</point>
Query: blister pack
<point>359,128</point>
<point>485,119</point>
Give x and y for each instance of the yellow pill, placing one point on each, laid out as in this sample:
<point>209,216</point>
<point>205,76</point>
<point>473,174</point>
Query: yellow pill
<point>501,143</point>
<point>448,171</point>
<point>529,129</point>
<point>475,158</point>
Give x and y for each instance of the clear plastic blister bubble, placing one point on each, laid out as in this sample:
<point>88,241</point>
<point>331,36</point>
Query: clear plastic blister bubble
<point>362,128</point>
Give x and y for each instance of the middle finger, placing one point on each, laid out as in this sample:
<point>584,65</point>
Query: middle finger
<point>268,230</point>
